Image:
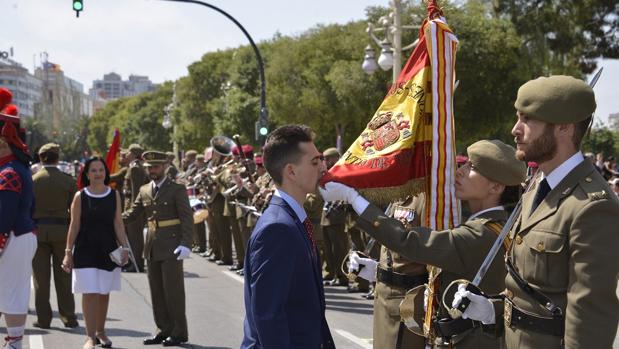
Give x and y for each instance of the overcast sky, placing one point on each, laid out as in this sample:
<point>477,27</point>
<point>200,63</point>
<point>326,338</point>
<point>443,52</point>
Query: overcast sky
<point>160,39</point>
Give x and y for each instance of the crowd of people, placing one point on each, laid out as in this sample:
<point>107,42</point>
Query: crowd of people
<point>265,217</point>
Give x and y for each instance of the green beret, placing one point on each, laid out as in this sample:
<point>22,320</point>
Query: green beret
<point>557,99</point>
<point>154,157</point>
<point>136,149</point>
<point>50,148</point>
<point>331,152</point>
<point>191,153</point>
<point>497,161</point>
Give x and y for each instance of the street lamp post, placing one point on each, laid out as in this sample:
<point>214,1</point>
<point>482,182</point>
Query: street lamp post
<point>168,123</point>
<point>391,45</point>
<point>264,114</point>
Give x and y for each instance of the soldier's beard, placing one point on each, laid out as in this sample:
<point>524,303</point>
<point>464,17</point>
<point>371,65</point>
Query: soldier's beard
<point>542,149</point>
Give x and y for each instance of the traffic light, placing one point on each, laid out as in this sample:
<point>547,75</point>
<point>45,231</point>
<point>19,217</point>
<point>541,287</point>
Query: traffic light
<point>78,5</point>
<point>262,129</point>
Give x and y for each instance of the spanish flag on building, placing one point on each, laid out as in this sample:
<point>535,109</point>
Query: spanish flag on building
<point>408,146</point>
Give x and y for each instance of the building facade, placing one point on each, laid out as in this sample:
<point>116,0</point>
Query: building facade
<point>113,86</point>
<point>27,89</point>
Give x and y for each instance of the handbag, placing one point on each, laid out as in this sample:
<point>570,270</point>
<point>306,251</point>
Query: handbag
<point>116,256</point>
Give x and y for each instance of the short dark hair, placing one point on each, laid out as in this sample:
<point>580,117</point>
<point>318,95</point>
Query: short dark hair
<point>49,157</point>
<point>510,196</point>
<point>282,148</point>
<point>84,176</point>
<point>580,129</point>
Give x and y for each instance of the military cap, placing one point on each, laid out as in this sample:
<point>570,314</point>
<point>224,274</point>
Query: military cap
<point>191,153</point>
<point>200,157</point>
<point>170,154</point>
<point>136,149</point>
<point>154,157</point>
<point>124,151</point>
<point>497,161</point>
<point>557,99</point>
<point>50,148</point>
<point>331,152</point>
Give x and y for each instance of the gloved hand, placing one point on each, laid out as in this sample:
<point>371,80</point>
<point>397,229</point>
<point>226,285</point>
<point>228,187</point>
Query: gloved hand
<point>353,262</point>
<point>182,252</point>
<point>479,309</point>
<point>369,270</point>
<point>334,191</point>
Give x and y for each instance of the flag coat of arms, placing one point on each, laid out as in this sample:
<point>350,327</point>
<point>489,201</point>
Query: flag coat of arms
<point>408,146</point>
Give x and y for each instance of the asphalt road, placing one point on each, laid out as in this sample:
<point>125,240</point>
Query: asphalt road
<point>215,314</point>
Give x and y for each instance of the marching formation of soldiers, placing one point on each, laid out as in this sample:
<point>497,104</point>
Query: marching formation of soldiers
<point>381,252</point>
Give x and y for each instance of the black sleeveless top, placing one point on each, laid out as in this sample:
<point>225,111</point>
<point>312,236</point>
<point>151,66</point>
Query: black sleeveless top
<point>96,237</point>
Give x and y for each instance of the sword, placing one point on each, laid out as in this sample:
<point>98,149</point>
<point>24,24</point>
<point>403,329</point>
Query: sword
<point>595,78</point>
<point>473,286</point>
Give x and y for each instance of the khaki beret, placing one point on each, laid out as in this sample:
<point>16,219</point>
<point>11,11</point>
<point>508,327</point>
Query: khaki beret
<point>50,148</point>
<point>331,152</point>
<point>557,99</point>
<point>136,149</point>
<point>191,153</point>
<point>497,161</point>
<point>154,157</point>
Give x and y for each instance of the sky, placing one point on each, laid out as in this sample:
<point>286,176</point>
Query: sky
<point>160,38</point>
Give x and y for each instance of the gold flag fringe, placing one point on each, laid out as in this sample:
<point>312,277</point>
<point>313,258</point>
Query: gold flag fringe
<point>385,195</point>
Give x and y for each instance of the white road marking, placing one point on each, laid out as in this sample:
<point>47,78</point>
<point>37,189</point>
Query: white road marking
<point>234,276</point>
<point>363,343</point>
<point>36,341</point>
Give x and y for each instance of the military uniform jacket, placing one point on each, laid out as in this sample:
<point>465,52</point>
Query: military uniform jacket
<point>567,249</point>
<point>459,252</point>
<point>53,192</point>
<point>171,202</point>
<point>135,178</point>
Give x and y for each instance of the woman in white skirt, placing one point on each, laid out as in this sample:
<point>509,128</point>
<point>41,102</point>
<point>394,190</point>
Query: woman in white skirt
<point>96,229</point>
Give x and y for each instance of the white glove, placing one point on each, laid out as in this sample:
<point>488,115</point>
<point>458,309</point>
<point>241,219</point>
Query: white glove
<point>334,191</point>
<point>480,308</point>
<point>182,252</point>
<point>353,262</point>
<point>369,270</point>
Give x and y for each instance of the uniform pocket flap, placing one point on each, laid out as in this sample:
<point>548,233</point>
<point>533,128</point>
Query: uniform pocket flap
<point>544,241</point>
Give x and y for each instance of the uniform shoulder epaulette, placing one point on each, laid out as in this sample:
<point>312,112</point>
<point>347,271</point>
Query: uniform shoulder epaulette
<point>598,195</point>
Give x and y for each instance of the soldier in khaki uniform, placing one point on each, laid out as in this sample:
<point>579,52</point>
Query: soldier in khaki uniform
<point>565,241</point>
<point>488,181</point>
<point>333,222</point>
<point>172,171</point>
<point>170,223</point>
<point>53,192</point>
<point>136,177</point>
<point>117,180</point>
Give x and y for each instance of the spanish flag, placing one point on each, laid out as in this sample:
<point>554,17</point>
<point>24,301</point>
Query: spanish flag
<point>112,158</point>
<point>408,146</point>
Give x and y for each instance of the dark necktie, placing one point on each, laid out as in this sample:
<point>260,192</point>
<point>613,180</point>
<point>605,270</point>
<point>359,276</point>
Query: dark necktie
<point>155,190</point>
<point>310,233</point>
<point>542,190</point>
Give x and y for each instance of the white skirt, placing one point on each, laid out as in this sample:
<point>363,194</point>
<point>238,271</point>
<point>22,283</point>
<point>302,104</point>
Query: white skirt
<point>16,272</point>
<point>93,280</point>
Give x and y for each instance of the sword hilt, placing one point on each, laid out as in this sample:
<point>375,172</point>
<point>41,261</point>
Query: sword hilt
<point>465,302</point>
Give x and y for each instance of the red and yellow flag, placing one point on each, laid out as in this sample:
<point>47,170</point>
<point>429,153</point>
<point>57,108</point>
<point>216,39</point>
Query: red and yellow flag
<point>408,146</point>
<point>112,158</point>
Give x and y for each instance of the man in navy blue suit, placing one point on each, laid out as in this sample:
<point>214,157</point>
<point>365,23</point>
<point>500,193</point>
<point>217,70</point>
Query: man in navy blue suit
<point>284,296</point>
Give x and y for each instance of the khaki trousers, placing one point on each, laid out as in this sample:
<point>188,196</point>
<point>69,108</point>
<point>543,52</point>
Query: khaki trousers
<point>167,292</point>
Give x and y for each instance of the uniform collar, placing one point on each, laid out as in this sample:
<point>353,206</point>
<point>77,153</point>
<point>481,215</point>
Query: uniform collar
<point>556,176</point>
<point>479,213</point>
<point>160,183</point>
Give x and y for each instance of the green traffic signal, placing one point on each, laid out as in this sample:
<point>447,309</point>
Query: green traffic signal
<point>264,130</point>
<point>78,5</point>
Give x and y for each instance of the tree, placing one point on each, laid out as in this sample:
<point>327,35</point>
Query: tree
<point>601,140</point>
<point>564,36</point>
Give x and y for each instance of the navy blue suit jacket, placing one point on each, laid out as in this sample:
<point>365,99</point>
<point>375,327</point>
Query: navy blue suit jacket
<point>284,296</point>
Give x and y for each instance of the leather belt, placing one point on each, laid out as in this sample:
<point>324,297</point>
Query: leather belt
<point>447,328</point>
<point>394,279</point>
<point>524,320</point>
<point>52,221</point>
